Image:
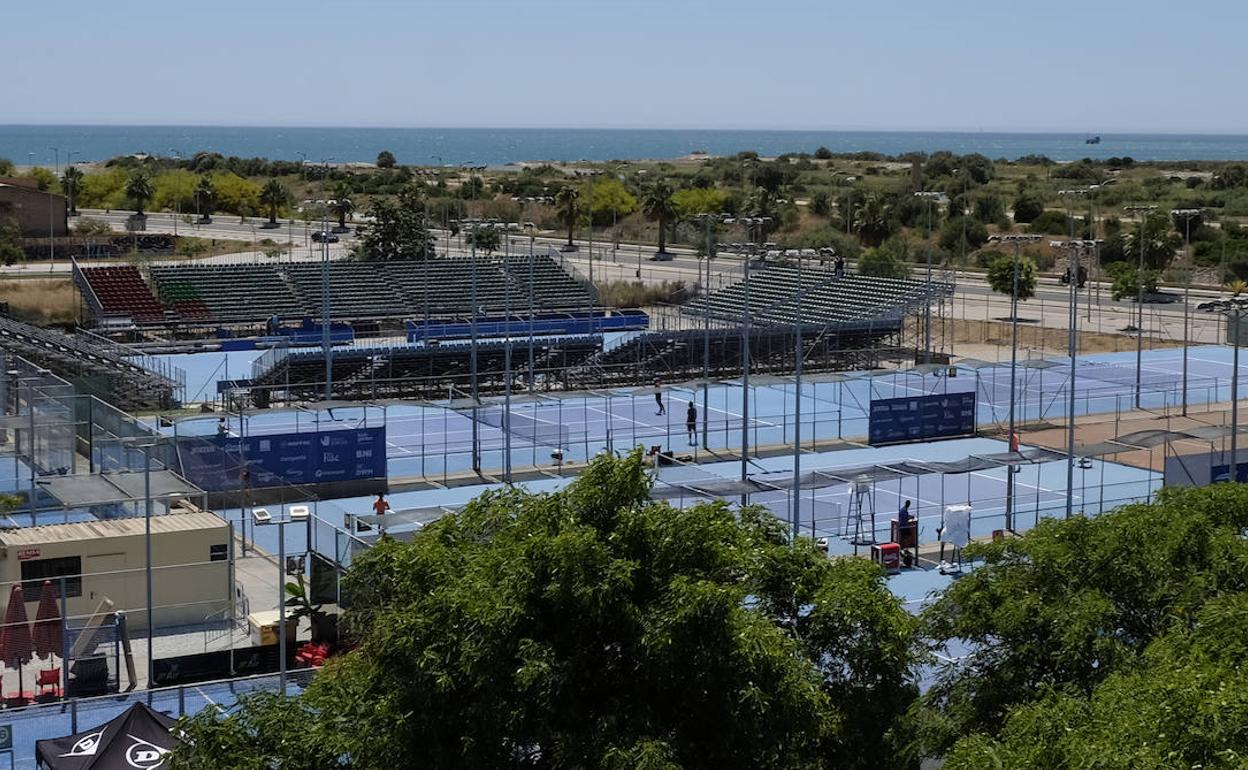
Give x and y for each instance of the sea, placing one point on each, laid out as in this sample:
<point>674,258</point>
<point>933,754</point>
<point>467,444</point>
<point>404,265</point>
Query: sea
<point>28,144</point>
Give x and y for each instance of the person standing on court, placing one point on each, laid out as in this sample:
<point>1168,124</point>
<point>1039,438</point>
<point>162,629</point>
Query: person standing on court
<point>658,397</point>
<point>691,424</point>
<point>903,516</point>
<point>380,506</point>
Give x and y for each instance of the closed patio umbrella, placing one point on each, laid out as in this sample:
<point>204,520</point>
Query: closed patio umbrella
<point>47,631</point>
<point>15,645</point>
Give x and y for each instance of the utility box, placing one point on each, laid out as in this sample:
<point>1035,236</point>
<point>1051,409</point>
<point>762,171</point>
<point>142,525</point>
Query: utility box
<point>888,556</point>
<point>266,627</point>
<point>107,559</point>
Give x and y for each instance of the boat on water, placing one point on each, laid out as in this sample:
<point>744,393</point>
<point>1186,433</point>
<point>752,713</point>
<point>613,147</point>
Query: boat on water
<point>1093,140</point>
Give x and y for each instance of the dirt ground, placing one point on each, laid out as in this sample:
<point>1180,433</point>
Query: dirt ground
<point>41,300</point>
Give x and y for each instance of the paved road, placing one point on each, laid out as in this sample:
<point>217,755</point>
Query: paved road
<point>628,262</point>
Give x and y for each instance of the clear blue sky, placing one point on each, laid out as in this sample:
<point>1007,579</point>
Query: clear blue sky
<point>1092,65</point>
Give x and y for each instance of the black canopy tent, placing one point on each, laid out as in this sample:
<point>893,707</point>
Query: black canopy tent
<point>137,739</point>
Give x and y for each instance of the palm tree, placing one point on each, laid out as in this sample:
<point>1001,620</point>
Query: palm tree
<point>71,182</point>
<point>657,205</point>
<point>873,220</point>
<point>274,196</point>
<point>341,206</point>
<point>205,198</point>
<point>139,189</point>
<point>568,205</point>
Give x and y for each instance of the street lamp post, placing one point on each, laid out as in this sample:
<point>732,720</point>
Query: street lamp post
<point>327,349</point>
<point>1234,310</point>
<point>748,251</point>
<point>1076,247</point>
<point>708,221</point>
<point>1187,215</point>
<point>930,197</point>
<point>261,517</point>
<point>1143,212</point>
<point>1018,241</point>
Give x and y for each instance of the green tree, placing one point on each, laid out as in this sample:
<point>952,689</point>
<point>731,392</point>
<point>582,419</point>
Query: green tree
<point>273,197</point>
<point>103,189</point>
<point>873,219</point>
<point>821,203</point>
<point>236,194</point>
<point>568,207</point>
<point>399,230</point>
<point>71,183</point>
<point>693,201</point>
<point>174,190</point>
<point>44,178</point>
<point>1126,279</point>
<point>139,189</point>
<point>341,206</point>
<point>1027,206</point>
<point>658,206</point>
<point>592,628</point>
<point>889,260</point>
<point>385,159</point>
<point>1001,276</point>
<point>610,200</point>
<point>205,196</point>
<point>962,234</point>
<point>11,251</point>
<point>1182,706</point>
<point>1100,642</point>
<point>823,153</point>
<point>485,238</point>
<point>6,167</point>
<point>1160,242</point>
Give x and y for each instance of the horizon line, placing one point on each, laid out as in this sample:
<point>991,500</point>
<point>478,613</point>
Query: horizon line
<point>720,129</point>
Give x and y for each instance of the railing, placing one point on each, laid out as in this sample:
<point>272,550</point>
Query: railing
<point>173,375</point>
<point>269,359</point>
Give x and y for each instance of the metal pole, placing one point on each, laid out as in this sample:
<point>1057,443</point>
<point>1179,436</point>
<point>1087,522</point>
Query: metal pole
<point>927,304</point>
<point>326,342</point>
<point>472,368</point>
<point>797,414</point>
<point>1074,353</point>
<point>745,373</point>
<point>1009,477</point>
<point>706,342</point>
<point>1239,317</point>
<point>1139,302</point>
<point>147,542</point>
<point>281,605</point>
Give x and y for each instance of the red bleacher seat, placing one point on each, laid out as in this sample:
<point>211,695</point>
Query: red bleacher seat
<point>120,289</point>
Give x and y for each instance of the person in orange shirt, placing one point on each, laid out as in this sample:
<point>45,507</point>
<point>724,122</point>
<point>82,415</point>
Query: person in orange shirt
<point>380,506</point>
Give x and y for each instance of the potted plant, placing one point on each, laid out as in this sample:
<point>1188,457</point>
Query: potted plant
<point>324,625</point>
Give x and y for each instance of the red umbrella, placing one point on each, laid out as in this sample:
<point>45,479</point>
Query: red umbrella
<point>15,647</point>
<point>47,631</point>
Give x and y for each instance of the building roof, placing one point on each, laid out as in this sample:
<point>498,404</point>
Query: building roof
<point>94,530</point>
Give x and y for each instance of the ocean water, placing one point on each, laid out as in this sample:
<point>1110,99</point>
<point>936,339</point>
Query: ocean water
<point>497,146</point>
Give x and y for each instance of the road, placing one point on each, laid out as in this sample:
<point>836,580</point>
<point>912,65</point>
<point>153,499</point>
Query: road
<point>628,262</point>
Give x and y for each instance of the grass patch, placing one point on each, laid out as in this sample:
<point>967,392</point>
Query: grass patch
<point>635,294</point>
<point>41,300</point>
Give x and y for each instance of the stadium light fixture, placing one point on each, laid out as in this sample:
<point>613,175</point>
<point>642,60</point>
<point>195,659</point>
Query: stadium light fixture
<point>748,250</point>
<point>1075,248</point>
<point>1235,310</point>
<point>708,221</point>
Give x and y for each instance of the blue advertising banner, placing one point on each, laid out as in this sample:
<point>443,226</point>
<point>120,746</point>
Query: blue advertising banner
<point>921,418</point>
<point>214,464</point>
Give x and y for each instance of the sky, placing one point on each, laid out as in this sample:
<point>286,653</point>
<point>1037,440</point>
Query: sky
<point>961,65</point>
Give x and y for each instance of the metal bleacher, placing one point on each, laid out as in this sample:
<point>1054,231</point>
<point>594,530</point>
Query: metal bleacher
<point>824,300</point>
<point>87,360</point>
<point>251,293</point>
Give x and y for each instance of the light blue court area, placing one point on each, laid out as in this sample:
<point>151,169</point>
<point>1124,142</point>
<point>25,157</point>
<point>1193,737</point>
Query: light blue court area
<point>436,439</point>
<point>829,510</point>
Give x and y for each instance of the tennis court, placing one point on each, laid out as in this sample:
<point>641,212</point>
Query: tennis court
<point>435,439</point>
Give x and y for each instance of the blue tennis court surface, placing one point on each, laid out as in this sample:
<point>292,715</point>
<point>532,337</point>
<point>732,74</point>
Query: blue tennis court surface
<point>430,440</point>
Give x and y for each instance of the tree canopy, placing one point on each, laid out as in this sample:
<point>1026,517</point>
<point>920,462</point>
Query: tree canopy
<point>385,159</point>
<point>593,628</point>
<point>1117,638</point>
<point>399,230</point>
<point>1001,276</point>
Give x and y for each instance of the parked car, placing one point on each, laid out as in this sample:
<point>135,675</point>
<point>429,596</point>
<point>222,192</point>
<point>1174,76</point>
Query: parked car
<point>324,236</point>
